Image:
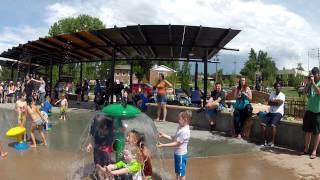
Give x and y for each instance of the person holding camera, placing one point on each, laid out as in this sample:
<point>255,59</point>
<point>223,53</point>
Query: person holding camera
<point>311,119</point>
<point>242,106</point>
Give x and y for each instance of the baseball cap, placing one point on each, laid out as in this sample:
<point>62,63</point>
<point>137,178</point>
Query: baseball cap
<point>315,71</point>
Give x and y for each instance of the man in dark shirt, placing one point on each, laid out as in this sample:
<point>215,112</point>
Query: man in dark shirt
<point>28,87</point>
<point>215,104</point>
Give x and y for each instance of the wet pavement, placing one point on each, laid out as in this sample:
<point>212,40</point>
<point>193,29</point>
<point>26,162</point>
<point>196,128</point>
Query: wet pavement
<point>212,156</point>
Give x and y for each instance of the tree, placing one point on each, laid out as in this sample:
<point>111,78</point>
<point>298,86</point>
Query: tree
<point>185,76</point>
<point>299,67</point>
<point>141,68</point>
<point>231,80</point>
<point>220,75</point>
<point>70,25</point>
<point>5,73</point>
<point>267,67</point>
<point>173,79</point>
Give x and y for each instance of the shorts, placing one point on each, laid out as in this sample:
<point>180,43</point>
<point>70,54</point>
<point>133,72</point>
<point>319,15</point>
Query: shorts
<point>44,114</point>
<point>180,163</point>
<point>101,157</point>
<point>39,122</point>
<point>311,122</point>
<point>63,110</point>
<point>272,119</point>
<point>162,99</point>
<point>213,112</point>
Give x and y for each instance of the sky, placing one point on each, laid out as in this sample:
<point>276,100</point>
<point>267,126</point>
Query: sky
<point>287,29</point>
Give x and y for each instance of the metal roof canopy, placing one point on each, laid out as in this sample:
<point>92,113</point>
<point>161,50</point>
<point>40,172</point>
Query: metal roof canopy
<point>154,42</point>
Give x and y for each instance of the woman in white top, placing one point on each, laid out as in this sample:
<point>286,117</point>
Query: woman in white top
<point>11,92</point>
<point>42,90</point>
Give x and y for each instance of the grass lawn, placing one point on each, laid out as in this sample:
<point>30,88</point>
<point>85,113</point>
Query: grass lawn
<point>290,92</point>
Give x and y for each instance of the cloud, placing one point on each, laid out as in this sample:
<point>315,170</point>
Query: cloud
<point>13,36</point>
<point>273,28</point>
<point>284,34</point>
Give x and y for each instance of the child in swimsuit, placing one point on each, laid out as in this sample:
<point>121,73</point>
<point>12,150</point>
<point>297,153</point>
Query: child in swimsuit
<point>37,122</point>
<point>131,165</point>
<point>101,132</point>
<point>21,108</point>
<point>136,138</point>
<point>63,107</point>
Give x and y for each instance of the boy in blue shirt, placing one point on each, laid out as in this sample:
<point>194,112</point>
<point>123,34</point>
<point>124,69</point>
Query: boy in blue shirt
<point>47,105</point>
<point>142,103</point>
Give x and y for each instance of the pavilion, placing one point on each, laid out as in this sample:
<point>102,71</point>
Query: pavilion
<point>131,43</point>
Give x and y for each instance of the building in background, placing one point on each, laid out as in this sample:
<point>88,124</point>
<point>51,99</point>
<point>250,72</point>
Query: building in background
<point>156,70</point>
<point>286,75</point>
<point>122,74</point>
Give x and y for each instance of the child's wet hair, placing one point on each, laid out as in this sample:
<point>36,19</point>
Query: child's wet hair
<point>187,115</point>
<point>140,138</point>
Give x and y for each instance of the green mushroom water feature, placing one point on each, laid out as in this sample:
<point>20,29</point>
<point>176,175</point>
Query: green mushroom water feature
<point>119,112</point>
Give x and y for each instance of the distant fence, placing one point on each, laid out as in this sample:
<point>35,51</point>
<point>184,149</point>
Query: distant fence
<point>295,108</point>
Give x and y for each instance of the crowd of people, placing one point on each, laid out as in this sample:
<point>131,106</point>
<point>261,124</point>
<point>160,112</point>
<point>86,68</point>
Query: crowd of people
<point>137,157</point>
<point>242,111</point>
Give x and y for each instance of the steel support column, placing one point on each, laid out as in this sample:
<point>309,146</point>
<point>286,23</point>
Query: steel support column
<point>51,79</point>
<point>81,73</point>
<point>131,74</point>
<point>113,63</point>
<point>11,77</point>
<point>196,76</point>
<point>205,80</point>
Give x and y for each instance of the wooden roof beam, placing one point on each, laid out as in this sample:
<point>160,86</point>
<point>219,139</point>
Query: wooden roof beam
<point>76,47</point>
<point>79,36</point>
<point>146,40</point>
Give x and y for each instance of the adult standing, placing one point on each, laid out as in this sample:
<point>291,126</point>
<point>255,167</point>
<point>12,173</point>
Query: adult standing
<point>28,88</point>
<point>11,92</point>
<point>1,92</point>
<point>311,119</point>
<point>41,90</point>
<point>276,102</point>
<point>18,90</point>
<point>243,98</point>
<point>85,90</point>
<point>78,91</point>
<point>162,97</point>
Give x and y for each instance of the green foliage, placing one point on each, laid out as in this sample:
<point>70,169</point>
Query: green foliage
<point>75,24</point>
<point>296,81</point>
<point>5,73</point>
<point>173,79</point>
<point>220,75</point>
<point>185,76</point>
<point>267,67</point>
<point>104,69</point>
<point>141,68</point>
<point>231,81</point>
<point>299,67</point>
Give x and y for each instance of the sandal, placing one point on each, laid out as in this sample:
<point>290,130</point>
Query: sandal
<point>313,156</point>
